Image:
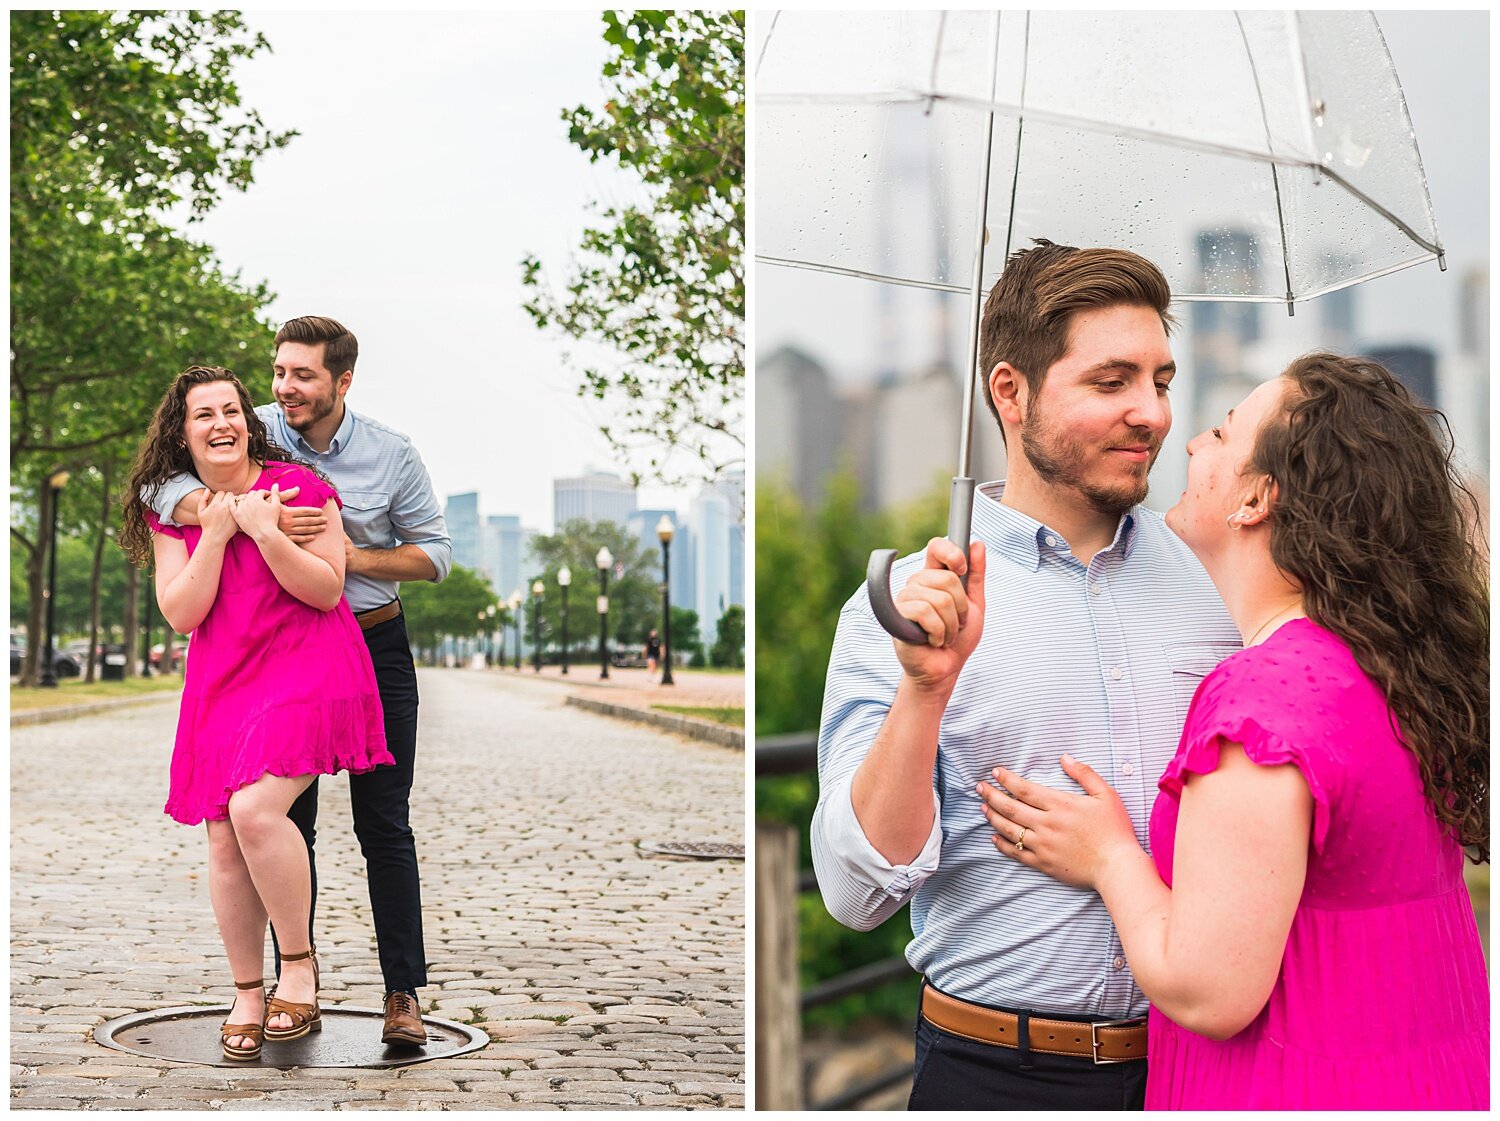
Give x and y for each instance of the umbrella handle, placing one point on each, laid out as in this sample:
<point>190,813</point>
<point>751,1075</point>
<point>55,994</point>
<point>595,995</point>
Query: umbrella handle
<point>878,574</point>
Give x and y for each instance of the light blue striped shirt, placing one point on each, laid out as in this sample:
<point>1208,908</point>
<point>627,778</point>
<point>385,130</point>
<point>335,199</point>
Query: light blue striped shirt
<point>1100,662</point>
<point>386,493</point>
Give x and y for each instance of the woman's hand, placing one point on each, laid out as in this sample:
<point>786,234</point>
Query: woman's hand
<point>1070,837</point>
<point>258,512</point>
<point>216,517</point>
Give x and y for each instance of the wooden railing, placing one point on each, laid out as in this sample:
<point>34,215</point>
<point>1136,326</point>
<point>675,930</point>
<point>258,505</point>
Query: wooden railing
<point>779,1003</point>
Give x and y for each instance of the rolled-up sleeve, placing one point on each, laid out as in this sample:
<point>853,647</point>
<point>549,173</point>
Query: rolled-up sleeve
<point>860,888</point>
<point>162,500</point>
<point>417,518</point>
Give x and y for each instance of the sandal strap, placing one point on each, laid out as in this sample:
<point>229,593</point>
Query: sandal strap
<point>307,953</point>
<point>299,1013</point>
<point>258,983</point>
<point>249,1031</point>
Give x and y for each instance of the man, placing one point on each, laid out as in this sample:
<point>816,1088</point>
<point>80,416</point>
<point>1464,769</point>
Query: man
<point>1085,628</point>
<point>394,531</point>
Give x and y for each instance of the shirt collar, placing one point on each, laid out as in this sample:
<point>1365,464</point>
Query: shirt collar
<point>1023,539</point>
<point>340,438</point>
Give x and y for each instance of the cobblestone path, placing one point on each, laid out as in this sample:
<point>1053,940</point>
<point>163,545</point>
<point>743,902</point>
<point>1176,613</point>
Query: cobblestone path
<point>606,977</point>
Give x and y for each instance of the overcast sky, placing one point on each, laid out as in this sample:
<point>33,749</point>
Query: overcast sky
<point>1442,59</point>
<point>432,158</point>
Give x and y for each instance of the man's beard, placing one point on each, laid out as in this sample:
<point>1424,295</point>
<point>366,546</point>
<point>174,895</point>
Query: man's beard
<point>312,412</point>
<point>1061,462</point>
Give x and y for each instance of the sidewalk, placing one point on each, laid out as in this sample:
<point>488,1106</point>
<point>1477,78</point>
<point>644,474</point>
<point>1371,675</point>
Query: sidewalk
<point>605,976</point>
<point>641,692</point>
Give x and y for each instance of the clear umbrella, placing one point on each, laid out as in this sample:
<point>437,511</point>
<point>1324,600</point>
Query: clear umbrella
<point>1263,156</point>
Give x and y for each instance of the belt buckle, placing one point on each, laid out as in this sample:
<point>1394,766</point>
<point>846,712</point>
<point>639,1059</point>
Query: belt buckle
<point>1133,1021</point>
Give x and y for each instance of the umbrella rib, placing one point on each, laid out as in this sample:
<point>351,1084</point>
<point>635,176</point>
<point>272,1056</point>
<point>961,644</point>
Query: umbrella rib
<point>1015,175</point>
<point>766,42</point>
<point>1416,150</point>
<point>1260,97</point>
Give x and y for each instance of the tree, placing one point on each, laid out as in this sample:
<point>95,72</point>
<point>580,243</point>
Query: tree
<point>661,283</point>
<point>452,607</point>
<point>116,116</point>
<point>687,643</point>
<point>729,645</point>
<point>634,583</point>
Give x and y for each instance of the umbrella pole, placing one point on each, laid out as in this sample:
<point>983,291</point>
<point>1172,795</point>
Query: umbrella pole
<point>961,496</point>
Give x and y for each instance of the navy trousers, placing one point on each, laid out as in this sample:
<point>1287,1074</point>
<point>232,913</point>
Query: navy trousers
<point>380,800</point>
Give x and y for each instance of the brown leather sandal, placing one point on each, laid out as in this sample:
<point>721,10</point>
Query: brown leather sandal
<point>305,1017</point>
<point>254,1032</point>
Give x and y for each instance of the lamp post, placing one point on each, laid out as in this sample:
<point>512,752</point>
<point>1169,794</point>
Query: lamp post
<point>605,560</point>
<point>664,530</point>
<point>55,483</point>
<point>564,578</point>
<point>537,588</point>
<point>515,616</point>
<point>489,654</point>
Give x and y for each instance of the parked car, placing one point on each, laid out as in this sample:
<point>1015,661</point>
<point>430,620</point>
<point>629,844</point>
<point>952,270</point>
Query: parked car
<point>179,656</point>
<point>63,663</point>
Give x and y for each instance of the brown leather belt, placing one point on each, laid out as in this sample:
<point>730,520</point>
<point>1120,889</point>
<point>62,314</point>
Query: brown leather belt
<point>1109,1041</point>
<point>377,615</point>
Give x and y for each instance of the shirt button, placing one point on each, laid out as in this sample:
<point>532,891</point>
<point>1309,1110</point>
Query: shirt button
<point>1118,963</point>
<point>1128,768</point>
<point>1051,540</point>
<point>1115,673</point>
<point>1095,589</point>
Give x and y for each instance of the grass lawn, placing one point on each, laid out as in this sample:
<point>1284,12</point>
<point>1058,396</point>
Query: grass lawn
<point>735,717</point>
<point>72,691</point>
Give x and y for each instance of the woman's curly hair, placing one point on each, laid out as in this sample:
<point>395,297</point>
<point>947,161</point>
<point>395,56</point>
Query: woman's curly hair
<point>164,454</point>
<point>1373,519</point>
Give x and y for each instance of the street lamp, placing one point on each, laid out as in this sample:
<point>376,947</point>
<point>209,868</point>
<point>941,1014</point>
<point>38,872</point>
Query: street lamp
<point>515,618</point>
<point>664,534</point>
<point>537,588</point>
<point>489,638</point>
<point>55,483</point>
<point>564,578</point>
<point>605,560</point>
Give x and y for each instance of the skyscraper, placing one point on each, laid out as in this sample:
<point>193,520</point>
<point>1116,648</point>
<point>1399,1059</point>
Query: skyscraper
<point>461,511</point>
<point>594,497</point>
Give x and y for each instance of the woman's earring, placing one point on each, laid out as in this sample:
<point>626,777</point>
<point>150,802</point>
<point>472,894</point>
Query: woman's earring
<point>1231,521</point>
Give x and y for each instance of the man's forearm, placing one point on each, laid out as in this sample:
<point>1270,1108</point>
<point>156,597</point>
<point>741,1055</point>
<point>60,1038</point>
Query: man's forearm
<point>186,511</point>
<point>404,562</point>
<point>892,791</point>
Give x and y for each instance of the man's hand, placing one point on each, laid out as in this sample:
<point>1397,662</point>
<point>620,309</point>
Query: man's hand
<point>216,516</point>
<point>935,600</point>
<point>258,512</point>
<point>300,523</point>
<point>351,556</point>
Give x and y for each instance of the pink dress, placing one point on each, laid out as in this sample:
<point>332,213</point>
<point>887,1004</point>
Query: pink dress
<point>1382,1000</point>
<point>273,686</point>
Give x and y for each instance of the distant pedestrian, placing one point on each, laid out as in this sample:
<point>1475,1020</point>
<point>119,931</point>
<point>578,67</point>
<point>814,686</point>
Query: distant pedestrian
<point>652,650</point>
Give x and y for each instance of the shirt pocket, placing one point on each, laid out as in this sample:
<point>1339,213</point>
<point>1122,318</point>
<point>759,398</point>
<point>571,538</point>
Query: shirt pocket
<point>367,518</point>
<point>1190,664</point>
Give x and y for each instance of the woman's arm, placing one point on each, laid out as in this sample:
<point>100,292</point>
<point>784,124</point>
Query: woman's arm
<point>314,571</point>
<point>186,587</point>
<point>1206,951</point>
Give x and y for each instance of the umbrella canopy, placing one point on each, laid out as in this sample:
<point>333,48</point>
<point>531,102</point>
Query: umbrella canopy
<point>1252,155</point>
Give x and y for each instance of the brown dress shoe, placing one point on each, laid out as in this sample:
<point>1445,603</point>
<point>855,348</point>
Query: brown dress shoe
<point>403,1022</point>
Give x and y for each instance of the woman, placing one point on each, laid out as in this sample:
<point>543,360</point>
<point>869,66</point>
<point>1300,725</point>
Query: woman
<point>279,688</point>
<point>1305,936</point>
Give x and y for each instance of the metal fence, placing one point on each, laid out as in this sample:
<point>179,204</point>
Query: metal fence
<point>780,1002</point>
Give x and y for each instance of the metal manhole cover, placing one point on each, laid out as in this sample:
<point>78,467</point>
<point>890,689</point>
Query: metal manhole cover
<point>350,1038</point>
<point>703,850</point>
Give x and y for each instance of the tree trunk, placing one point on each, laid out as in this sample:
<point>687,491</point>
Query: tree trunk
<point>96,579</point>
<point>132,621</point>
<point>36,583</point>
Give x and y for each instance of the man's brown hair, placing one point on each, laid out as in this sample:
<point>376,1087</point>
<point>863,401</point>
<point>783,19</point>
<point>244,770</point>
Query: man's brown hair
<point>341,347</point>
<point>1028,313</point>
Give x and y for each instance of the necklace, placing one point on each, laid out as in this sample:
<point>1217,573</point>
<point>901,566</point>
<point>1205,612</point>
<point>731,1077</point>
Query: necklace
<point>1272,619</point>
